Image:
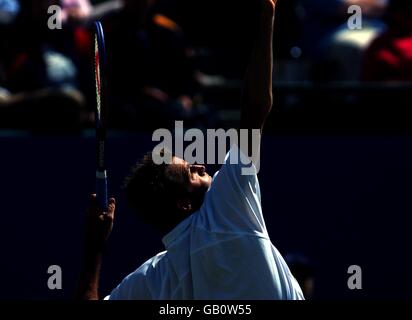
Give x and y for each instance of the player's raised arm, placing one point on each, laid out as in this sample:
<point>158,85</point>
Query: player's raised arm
<point>257,97</point>
<point>99,225</point>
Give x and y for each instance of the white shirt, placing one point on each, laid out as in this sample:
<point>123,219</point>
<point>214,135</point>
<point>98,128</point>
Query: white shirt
<point>222,251</point>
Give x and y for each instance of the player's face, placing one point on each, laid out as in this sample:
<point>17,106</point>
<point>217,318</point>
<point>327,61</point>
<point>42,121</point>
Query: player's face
<point>198,178</point>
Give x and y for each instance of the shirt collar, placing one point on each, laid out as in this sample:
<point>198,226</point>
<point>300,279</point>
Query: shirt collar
<point>177,231</point>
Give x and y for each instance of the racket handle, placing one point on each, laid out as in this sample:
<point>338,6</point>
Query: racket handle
<point>101,190</point>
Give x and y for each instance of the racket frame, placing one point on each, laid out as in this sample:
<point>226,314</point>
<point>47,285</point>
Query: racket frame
<point>100,115</point>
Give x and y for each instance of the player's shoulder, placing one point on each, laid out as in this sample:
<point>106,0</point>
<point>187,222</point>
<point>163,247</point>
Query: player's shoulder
<point>150,264</point>
<point>137,284</point>
<point>146,269</point>
<point>237,169</point>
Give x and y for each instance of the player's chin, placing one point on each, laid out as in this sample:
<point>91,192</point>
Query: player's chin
<point>206,182</point>
<point>209,180</point>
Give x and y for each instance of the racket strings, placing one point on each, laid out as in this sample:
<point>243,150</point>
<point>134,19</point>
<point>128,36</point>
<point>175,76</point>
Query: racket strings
<point>97,76</point>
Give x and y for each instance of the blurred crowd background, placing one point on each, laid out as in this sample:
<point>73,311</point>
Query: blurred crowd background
<point>185,59</point>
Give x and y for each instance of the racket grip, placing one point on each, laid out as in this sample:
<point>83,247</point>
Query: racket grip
<point>101,190</point>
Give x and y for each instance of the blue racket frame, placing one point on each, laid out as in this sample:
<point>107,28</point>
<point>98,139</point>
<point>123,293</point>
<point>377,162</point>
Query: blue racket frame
<point>101,110</point>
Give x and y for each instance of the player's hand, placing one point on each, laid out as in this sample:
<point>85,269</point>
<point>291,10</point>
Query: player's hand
<point>99,224</point>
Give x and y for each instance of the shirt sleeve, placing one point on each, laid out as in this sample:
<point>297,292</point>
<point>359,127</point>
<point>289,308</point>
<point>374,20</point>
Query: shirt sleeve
<point>233,202</point>
<point>133,287</point>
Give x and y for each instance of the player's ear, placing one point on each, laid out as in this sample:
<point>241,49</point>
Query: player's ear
<point>184,205</point>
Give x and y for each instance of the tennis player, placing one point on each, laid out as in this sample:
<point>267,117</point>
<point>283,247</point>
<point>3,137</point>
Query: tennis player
<point>217,244</point>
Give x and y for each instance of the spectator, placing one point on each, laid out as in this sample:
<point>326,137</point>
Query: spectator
<point>41,80</point>
<point>389,58</point>
<point>336,50</point>
<point>150,73</point>
<point>75,11</point>
<point>33,61</point>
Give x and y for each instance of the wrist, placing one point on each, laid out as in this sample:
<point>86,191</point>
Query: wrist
<point>267,22</point>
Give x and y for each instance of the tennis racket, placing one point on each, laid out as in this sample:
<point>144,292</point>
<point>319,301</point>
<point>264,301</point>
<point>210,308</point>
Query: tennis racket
<point>100,115</point>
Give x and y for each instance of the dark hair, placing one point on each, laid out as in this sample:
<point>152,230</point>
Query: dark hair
<point>152,191</point>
